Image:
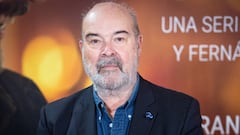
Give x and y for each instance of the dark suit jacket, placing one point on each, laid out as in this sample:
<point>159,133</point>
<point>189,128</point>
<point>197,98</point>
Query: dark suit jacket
<point>173,113</point>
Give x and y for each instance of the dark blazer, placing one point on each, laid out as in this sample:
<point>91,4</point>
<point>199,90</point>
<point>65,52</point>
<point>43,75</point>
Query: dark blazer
<point>171,113</point>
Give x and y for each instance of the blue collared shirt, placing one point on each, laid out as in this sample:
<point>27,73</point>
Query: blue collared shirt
<point>119,125</point>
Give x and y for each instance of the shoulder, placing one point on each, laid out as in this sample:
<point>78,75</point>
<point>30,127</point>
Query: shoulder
<point>66,105</point>
<point>72,98</point>
<point>170,102</point>
<point>168,96</point>
<point>174,109</point>
<point>59,114</point>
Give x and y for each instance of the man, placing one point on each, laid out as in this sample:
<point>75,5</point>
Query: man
<point>20,98</point>
<point>120,101</point>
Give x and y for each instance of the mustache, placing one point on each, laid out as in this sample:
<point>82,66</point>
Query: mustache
<point>102,62</point>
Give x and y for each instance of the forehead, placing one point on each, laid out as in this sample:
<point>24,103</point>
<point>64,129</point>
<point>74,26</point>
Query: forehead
<point>107,19</point>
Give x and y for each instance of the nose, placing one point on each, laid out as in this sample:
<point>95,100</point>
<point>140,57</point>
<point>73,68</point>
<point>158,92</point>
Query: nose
<point>108,50</point>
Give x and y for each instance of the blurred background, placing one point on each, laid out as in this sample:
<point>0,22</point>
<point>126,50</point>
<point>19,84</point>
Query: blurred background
<point>43,45</point>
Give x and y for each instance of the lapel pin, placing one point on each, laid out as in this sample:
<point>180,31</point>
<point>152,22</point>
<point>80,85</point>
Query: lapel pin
<point>149,115</point>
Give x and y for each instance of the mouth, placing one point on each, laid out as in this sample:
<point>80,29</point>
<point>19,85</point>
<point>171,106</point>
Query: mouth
<point>109,65</point>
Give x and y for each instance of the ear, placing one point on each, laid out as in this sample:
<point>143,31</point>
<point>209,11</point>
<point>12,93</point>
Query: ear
<point>139,43</point>
<point>80,44</point>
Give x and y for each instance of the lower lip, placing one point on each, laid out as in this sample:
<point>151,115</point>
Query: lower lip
<point>110,67</point>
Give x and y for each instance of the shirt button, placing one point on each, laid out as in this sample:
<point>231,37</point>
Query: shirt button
<point>110,125</point>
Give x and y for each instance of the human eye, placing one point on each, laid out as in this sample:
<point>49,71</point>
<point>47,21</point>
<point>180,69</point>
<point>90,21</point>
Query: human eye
<point>119,40</point>
<point>94,42</point>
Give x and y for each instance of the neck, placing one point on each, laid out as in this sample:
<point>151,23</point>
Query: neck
<point>115,98</point>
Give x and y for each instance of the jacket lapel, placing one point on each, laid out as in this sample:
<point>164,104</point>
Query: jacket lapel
<point>83,120</point>
<point>83,117</point>
<point>145,111</point>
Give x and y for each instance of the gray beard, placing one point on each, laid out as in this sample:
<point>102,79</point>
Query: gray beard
<point>103,80</point>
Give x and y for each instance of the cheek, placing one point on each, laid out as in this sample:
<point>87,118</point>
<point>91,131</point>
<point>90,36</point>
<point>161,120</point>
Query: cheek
<point>129,57</point>
<point>90,56</point>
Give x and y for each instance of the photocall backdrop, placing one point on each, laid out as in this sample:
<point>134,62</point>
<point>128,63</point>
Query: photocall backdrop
<point>189,46</point>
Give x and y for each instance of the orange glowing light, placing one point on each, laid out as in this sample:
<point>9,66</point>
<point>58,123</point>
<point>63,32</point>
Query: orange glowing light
<point>53,66</point>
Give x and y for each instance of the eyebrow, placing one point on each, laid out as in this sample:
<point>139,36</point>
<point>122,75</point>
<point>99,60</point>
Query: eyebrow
<point>91,34</point>
<point>121,31</point>
<point>115,33</point>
